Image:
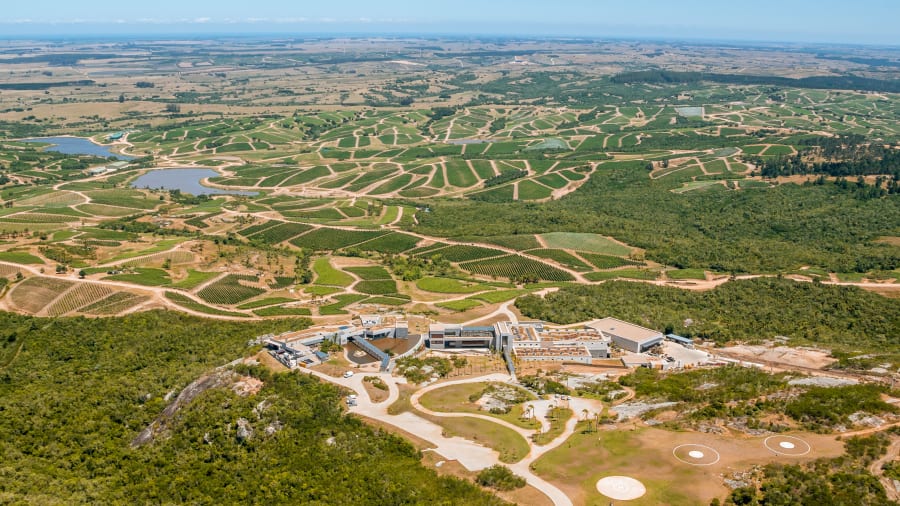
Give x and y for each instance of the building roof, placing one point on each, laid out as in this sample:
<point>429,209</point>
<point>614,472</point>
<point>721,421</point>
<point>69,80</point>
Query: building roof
<point>625,330</point>
<point>679,339</point>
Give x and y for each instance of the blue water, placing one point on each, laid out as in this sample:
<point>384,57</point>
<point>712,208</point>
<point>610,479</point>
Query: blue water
<point>186,180</point>
<point>78,146</point>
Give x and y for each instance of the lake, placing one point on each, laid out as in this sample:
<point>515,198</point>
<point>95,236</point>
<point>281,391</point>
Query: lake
<point>78,146</point>
<point>185,180</point>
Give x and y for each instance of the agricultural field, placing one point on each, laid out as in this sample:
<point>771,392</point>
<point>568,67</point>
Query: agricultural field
<point>556,185</point>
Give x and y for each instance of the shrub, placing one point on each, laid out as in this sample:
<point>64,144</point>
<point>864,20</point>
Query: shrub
<point>500,478</point>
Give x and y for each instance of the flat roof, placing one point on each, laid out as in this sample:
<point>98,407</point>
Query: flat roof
<point>625,330</point>
<point>679,339</point>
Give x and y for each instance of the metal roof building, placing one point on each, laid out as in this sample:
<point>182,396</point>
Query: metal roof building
<point>628,336</point>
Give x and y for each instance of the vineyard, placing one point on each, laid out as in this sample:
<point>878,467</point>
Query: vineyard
<point>271,301</point>
<point>145,276</point>
<point>188,303</point>
<point>114,304</point>
<point>229,290</point>
<point>516,268</point>
<point>517,242</point>
<point>33,294</point>
<point>607,261</point>
<point>279,233</point>
<point>81,295</point>
<point>259,227</point>
<point>377,287</point>
<point>458,253</point>
<point>369,273</point>
<point>283,311</point>
<point>563,258</point>
<point>342,301</point>
<point>394,242</point>
<point>329,239</point>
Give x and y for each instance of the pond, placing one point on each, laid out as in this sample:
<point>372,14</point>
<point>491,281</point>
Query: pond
<point>78,146</point>
<point>186,180</point>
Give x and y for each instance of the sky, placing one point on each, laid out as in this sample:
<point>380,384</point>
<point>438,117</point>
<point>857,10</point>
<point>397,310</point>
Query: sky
<point>840,21</point>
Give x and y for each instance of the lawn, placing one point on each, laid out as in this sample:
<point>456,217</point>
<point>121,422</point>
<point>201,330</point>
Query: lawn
<point>499,296</point>
<point>686,274</point>
<point>557,426</point>
<point>19,257</point>
<point>195,279</point>
<point>455,399</point>
<point>459,305</point>
<point>511,446</point>
<point>621,273</point>
<point>591,243</point>
<point>270,301</point>
<point>326,274</point>
<point>143,276</point>
<point>589,456</point>
<point>448,285</point>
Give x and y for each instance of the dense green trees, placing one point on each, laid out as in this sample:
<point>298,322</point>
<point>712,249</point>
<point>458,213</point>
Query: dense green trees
<point>80,390</point>
<point>739,310</point>
<point>500,478</point>
<point>779,228</point>
<point>843,481</point>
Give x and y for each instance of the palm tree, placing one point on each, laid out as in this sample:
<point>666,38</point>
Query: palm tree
<point>584,414</point>
<point>530,409</point>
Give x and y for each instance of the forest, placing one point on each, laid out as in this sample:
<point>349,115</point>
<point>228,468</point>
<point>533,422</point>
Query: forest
<point>771,230</point>
<point>75,392</point>
<point>845,82</point>
<point>752,310</point>
<point>842,481</point>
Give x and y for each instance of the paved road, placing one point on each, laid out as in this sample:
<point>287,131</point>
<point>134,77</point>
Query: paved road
<point>472,456</point>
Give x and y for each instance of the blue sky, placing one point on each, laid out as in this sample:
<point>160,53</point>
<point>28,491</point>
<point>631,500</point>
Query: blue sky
<point>859,21</point>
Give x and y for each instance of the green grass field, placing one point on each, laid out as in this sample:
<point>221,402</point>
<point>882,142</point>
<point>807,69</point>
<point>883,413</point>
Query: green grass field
<point>591,243</point>
<point>19,257</point>
<point>326,274</point>
<point>448,285</point>
<point>456,399</point>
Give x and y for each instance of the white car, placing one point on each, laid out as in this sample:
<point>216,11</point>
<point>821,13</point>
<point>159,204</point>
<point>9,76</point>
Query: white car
<point>348,374</point>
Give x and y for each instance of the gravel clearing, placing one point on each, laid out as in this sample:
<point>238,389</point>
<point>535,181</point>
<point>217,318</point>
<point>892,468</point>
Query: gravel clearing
<point>631,410</point>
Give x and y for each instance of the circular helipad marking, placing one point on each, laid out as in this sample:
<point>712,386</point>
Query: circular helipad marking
<point>696,454</point>
<point>787,445</point>
<point>621,488</point>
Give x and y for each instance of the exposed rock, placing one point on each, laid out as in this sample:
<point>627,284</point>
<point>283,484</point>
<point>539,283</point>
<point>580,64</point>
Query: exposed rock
<point>244,430</point>
<point>820,381</point>
<point>217,379</point>
<point>272,428</point>
<point>866,419</point>
<point>735,484</point>
<point>631,410</point>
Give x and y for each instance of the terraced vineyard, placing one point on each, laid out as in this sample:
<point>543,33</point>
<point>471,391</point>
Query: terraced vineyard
<point>516,268</point>
<point>113,304</point>
<point>83,294</point>
<point>229,290</point>
<point>33,294</point>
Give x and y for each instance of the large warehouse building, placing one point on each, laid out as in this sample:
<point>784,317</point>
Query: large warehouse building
<point>627,336</point>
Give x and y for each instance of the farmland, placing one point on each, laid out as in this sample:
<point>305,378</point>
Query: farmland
<point>744,196</point>
<point>517,177</point>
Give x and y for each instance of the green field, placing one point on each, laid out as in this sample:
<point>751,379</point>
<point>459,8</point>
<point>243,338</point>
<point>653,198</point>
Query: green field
<point>326,274</point>
<point>591,243</point>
